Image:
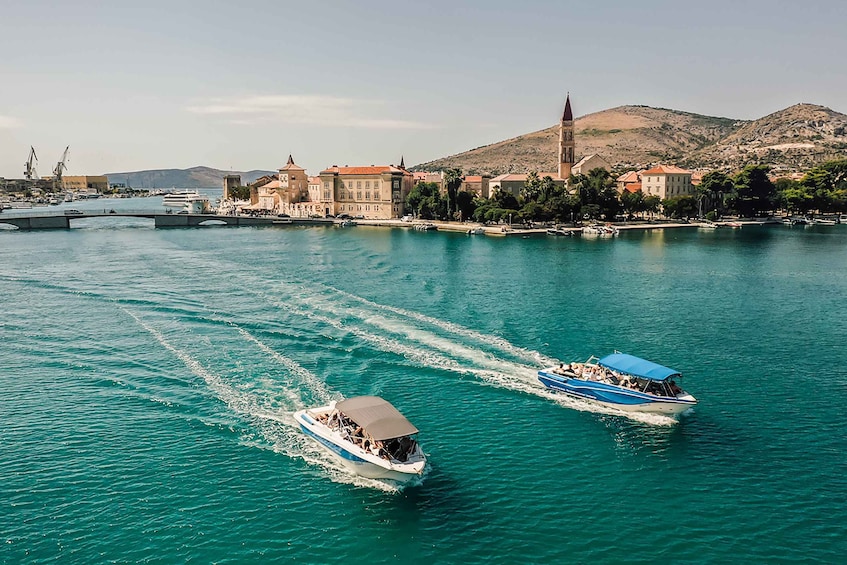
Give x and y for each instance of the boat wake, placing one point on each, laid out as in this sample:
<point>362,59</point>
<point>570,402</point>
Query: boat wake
<point>277,427</point>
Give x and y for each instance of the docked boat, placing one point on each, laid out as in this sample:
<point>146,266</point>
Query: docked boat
<point>426,227</point>
<point>476,231</point>
<point>368,436</point>
<point>621,381</point>
<point>597,229</point>
<point>559,232</point>
<point>190,200</point>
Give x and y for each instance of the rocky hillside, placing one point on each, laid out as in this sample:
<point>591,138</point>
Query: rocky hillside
<point>637,136</point>
<point>195,177</point>
<point>796,138</point>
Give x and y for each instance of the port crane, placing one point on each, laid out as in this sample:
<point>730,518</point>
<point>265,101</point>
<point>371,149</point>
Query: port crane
<point>29,172</point>
<point>60,168</point>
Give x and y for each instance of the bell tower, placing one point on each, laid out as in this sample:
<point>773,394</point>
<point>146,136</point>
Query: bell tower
<point>566,144</point>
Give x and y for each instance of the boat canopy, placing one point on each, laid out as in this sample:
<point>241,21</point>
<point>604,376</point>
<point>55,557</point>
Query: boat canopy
<point>377,417</point>
<point>637,367</point>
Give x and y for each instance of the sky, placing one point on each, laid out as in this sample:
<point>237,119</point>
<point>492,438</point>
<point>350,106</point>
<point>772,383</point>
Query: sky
<point>241,85</point>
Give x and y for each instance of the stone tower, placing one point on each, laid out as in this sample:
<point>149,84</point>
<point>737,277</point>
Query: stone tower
<point>566,145</point>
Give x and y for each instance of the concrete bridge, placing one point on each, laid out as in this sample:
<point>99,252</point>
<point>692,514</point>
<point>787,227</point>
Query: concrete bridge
<point>54,220</point>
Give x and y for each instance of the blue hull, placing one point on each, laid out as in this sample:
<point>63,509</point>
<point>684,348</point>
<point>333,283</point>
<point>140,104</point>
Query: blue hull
<point>616,396</point>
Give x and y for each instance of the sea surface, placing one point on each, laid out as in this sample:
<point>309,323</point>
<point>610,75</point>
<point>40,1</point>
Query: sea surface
<point>148,379</point>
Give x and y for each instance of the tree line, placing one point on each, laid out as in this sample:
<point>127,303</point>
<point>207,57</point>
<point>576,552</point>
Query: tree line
<point>594,196</point>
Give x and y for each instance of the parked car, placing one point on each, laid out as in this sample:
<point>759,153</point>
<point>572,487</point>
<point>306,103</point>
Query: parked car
<point>407,218</point>
<point>345,217</point>
<point>283,216</point>
<point>73,213</point>
<point>183,212</point>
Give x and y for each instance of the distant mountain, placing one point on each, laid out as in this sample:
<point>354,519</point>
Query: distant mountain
<point>638,136</point>
<point>195,177</point>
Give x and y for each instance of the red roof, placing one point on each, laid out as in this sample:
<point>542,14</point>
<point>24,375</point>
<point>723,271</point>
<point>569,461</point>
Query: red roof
<point>633,187</point>
<point>364,170</point>
<point>473,178</point>
<point>666,170</point>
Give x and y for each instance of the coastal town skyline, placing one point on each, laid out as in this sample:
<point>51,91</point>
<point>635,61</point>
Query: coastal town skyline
<point>130,91</point>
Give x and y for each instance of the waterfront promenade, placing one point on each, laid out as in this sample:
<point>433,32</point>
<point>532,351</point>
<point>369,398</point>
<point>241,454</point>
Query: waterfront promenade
<point>63,219</point>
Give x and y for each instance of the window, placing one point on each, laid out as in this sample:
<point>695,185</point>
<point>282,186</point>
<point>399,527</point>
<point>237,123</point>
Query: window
<point>326,185</point>
<point>358,195</point>
<point>368,195</point>
<point>376,195</point>
<point>396,184</point>
<point>359,184</point>
<point>367,184</point>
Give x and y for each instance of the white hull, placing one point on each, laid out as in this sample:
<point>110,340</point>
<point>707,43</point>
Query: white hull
<point>355,458</point>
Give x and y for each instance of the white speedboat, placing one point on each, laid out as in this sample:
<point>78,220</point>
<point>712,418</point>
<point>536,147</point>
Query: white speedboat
<point>621,381</point>
<point>368,436</point>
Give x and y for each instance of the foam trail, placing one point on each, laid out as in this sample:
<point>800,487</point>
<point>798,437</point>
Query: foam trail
<point>498,342</point>
<point>287,440</point>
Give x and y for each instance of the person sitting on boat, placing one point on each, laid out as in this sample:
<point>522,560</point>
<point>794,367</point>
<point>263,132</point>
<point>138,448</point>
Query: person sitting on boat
<point>674,388</point>
<point>560,369</point>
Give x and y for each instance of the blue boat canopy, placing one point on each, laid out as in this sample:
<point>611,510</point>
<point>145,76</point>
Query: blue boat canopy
<point>637,367</point>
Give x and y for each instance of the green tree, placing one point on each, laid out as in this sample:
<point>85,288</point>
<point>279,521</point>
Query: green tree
<point>239,193</point>
<point>714,187</point>
<point>466,204</point>
<point>651,204</point>
<point>425,201</point>
<point>452,182</point>
<point>754,193</point>
<point>632,202</point>
<point>680,206</point>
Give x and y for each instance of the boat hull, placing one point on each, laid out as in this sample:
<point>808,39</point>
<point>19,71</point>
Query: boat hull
<point>353,457</point>
<point>615,396</point>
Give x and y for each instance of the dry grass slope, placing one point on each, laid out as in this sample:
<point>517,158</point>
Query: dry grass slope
<point>637,136</point>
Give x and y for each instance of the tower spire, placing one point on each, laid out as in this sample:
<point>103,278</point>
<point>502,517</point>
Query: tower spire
<point>566,143</point>
<point>290,160</point>
<point>402,163</point>
<point>568,115</point>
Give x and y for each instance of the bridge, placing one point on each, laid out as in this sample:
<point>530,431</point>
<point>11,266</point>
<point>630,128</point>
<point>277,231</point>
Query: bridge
<point>58,220</point>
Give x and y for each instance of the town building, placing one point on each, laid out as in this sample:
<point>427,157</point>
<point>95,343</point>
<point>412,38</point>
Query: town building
<point>629,181</point>
<point>479,185</point>
<point>666,181</point>
<point>376,192</point>
<point>85,183</point>
<point>589,163</point>
<point>230,182</point>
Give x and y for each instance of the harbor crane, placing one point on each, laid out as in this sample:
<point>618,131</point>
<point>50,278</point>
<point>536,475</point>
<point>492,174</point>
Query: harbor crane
<point>29,172</point>
<point>60,168</point>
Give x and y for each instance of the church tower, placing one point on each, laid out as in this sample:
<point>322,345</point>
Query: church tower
<point>566,145</point>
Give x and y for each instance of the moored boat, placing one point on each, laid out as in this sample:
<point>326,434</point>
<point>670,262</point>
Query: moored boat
<point>621,381</point>
<point>367,435</point>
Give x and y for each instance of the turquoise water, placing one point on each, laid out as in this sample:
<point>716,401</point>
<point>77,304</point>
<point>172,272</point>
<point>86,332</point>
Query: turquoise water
<point>149,376</point>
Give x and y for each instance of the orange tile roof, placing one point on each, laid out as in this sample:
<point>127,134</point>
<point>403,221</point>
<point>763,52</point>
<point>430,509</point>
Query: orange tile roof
<point>473,178</point>
<point>666,170</point>
<point>633,187</point>
<point>365,170</point>
<point>631,176</point>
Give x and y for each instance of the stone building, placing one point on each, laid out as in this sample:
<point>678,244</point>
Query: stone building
<point>666,181</point>
<point>376,192</point>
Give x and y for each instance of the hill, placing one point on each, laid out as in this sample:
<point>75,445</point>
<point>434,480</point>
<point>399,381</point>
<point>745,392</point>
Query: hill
<point>796,138</point>
<point>637,136</point>
<point>195,177</point>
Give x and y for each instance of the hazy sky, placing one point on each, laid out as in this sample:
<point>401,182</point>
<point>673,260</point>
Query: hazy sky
<point>240,85</point>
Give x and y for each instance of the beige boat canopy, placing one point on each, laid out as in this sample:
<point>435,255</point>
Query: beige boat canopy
<point>377,417</point>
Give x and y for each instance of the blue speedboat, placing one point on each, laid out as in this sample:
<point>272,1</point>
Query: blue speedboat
<point>621,381</point>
